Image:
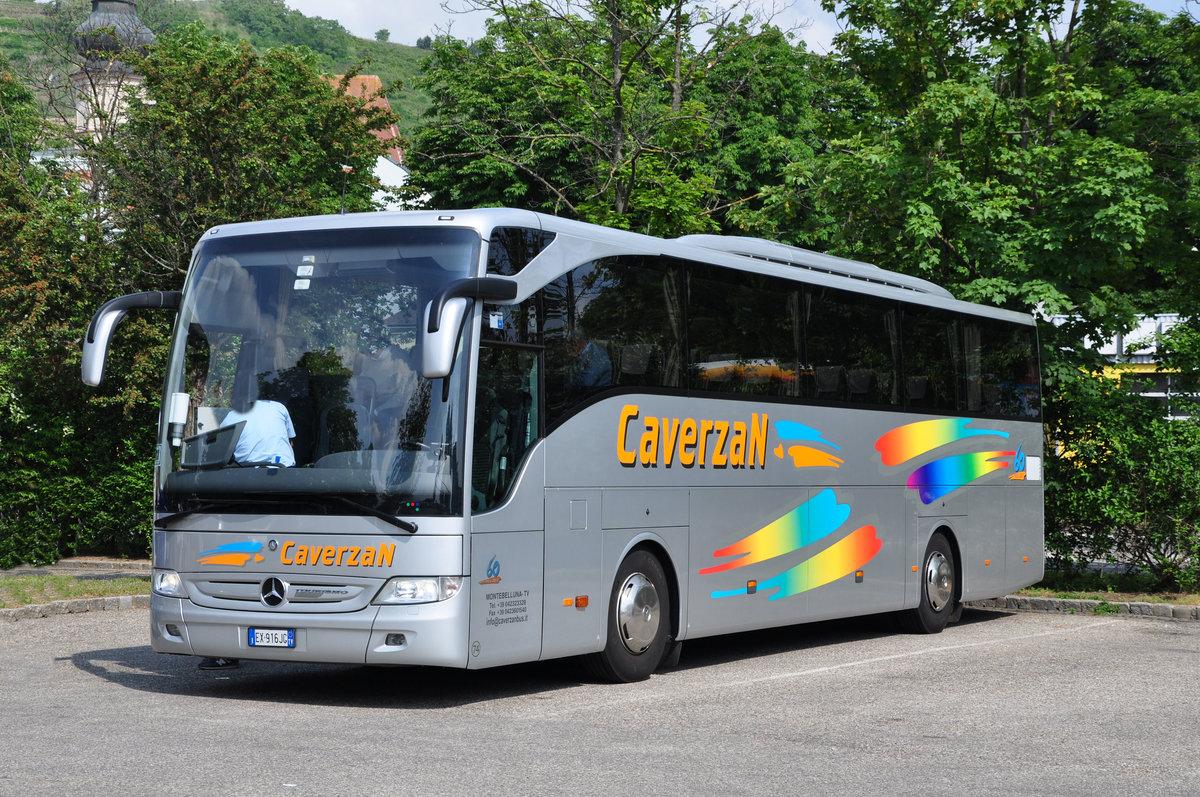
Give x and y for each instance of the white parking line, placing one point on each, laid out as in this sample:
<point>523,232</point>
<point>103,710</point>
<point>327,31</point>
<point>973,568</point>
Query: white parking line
<point>915,653</point>
<point>633,693</point>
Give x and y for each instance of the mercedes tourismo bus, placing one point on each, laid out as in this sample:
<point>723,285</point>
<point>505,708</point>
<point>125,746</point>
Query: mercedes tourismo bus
<point>517,437</point>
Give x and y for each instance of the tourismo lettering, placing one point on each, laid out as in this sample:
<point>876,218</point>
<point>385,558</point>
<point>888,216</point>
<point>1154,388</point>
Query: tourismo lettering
<point>691,442</point>
<point>344,555</point>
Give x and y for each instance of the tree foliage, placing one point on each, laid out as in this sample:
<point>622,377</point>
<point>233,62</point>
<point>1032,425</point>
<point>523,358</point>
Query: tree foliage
<point>1023,153</point>
<point>1126,486</point>
<point>613,111</point>
<point>973,164</point>
<point>223,134</point>
<point>275,25</point>
<point>1029,165</point>
<point>73,473</point>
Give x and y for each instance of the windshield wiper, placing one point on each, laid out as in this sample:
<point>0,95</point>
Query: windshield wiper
<point>365,509</point>
<point>401,523</point>
<point>208,506</point>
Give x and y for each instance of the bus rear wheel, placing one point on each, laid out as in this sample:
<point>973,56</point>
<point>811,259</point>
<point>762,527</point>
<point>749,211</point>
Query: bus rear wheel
<point>639,621</point>
<point>939,590</point>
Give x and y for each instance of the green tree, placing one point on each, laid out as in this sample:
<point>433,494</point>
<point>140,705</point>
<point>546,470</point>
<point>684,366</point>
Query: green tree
<point>382,35</point>
<point>972,167</point>
<point>1025,165</point>
<point>767,89</point>
<point>273,24</point>
<point>611,111</point>
<point>1148,69</point>
<point>73,475</point>
<point>1128,488</point>
<point>223,135</point>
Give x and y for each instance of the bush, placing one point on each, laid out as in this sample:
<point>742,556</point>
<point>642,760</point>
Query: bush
<point>79,478</point>
<point>1123,483</point>
<point>75,467</point>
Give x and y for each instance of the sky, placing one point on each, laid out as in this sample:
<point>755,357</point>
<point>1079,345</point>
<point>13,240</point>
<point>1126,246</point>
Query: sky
<point>408,20</point>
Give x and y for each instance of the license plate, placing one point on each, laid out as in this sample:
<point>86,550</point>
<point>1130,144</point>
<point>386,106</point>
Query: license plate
<point>272,637</point>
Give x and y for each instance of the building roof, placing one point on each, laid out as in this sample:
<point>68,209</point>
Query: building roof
<point>370,87</point>
<point>1139,345</point>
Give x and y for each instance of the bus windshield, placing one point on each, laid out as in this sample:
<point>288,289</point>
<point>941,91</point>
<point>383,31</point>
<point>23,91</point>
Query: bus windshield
<point>294,377</point>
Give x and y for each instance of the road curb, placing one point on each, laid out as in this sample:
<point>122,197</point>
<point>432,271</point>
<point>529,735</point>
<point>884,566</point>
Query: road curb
<point>1026,603</point>
<point>75,606</point>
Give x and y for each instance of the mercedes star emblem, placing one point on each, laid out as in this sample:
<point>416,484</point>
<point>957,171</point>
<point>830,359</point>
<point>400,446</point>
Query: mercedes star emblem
<point>274,592</point>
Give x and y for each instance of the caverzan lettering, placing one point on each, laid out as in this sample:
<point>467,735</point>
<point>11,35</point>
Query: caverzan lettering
<point>341,555</point>
<point>691,442</point>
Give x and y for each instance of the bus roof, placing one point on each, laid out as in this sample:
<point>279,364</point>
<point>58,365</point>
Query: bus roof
<point>729,249</point>
<point>772,252</point>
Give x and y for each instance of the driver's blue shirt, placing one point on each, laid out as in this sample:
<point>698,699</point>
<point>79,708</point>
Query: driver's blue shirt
<point>592,369</point>
<point>266,436</point>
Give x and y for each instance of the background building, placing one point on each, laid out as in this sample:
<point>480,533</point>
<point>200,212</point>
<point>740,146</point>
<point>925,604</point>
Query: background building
<point>103,85</point>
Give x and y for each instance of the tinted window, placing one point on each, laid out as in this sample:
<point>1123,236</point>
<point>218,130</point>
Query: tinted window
<point>743,333</point>
<point>511,248</point>
<point>1007,371</point>
<point>964,364</point>
<point>506,420</point>
<point>850,347</point>
<point>513,323</point>
<point>620,323</point>
<point>614,322</point>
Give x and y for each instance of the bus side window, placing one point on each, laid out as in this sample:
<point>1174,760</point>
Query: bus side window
<point>611,323</point>
<point>742,330</point>
<point>1008,370</point>
<point>851,344</point>
<point>935,364</point>
<point>511,248</point>
<point>506,420</point>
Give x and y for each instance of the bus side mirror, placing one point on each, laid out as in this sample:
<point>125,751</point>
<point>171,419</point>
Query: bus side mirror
<point>437,351</point>
<point>104,322</point>
<point>445,315</point>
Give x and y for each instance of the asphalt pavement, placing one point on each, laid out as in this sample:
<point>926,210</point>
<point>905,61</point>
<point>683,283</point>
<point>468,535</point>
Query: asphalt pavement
<point>999,704</point>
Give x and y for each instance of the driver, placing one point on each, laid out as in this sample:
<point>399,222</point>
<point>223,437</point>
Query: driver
<point>267,437</point>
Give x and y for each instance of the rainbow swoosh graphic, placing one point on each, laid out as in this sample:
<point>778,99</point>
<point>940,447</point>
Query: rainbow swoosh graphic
<point>805,456</point>
<point>235,553</point>
<point>811,521</point>
<point>941,476</point>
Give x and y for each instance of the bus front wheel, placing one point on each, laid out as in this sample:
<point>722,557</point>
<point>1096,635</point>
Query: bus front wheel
<point>639,621</point>
<point>938,590</point>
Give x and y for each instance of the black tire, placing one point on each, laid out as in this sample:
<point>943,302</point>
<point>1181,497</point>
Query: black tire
<point>939,590</point>
<point>639,622</point>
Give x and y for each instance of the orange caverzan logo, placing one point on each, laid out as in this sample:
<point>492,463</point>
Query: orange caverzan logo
<point>691,442</point>
<point>342,555</point>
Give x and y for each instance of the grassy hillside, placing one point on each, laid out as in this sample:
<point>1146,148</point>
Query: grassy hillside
<point>27,29</point>
<point>16,43</point>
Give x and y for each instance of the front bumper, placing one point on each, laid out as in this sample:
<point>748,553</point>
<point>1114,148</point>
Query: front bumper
<point>434,634</point>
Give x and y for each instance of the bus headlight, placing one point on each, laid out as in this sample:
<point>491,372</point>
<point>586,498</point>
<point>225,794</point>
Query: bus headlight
<point>404,589</point>
<point>167,583</point>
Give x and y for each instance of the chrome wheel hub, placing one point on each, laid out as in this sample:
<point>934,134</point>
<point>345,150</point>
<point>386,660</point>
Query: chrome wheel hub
<point>939,581</point>
<point>638,617</point>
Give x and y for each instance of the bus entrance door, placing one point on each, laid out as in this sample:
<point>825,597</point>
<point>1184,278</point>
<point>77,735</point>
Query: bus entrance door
<point>575,593</point>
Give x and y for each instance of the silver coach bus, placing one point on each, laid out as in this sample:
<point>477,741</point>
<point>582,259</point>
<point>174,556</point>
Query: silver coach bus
<point>516,437</point>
